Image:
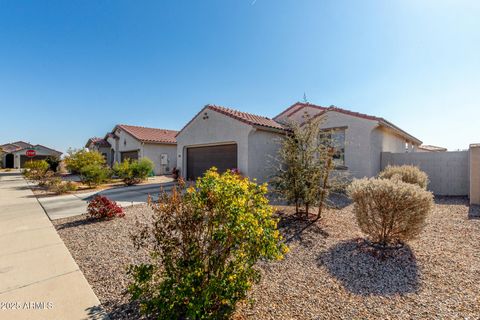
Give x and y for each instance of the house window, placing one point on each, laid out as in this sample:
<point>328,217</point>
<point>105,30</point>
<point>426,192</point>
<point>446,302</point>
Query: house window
<point>336,139</point>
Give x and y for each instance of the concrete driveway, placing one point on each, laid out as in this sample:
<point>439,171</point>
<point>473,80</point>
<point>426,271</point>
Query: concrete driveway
<point>63,206</point>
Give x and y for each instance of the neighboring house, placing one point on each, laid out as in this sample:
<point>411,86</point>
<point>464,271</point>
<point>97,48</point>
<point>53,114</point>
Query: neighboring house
<point>228,138</point>
<point>102,146</point>
<point>429,148</point>
<point>134,142</point>
<point>14,154</point>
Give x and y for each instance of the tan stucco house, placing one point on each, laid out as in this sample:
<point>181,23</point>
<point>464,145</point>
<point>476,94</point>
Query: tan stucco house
<point>14,155</point>
<point>228,138</point>
<point>135,142</point>
<point>102,146</point>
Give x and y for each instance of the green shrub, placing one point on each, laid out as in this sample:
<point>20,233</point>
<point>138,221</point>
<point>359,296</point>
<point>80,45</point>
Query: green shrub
<point>133,171</point>
<point>53,163</point>
<point>58,186</point>
<point>408,174</point>
<point>204,243</point>
<point>78,159</point>
<point>35,170</point>
<point>95,174</point>
<point>390,212</point>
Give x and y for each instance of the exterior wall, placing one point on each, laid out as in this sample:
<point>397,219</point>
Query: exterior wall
<point>210,128</point>
<point>263,147</point>
<point>475,174</point>
<point>298,115</point>
<point>126,143</point>
<point>358,151</point>
<point>114,143</point>
<point>384,140</point>
<point>448,171</point>
<point>154,152</point>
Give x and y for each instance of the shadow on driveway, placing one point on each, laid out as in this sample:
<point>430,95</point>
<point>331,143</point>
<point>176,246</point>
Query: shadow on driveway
<point>355,265</point>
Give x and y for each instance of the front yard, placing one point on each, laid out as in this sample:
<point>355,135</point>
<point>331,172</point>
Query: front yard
<point>328,273</point>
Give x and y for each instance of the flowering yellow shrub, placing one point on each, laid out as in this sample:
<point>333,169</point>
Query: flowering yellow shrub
<point>204,244</point>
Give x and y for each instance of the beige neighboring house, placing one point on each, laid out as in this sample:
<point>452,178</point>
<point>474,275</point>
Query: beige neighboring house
<point>14,155</point>
<point>102,146</point>
<point>429,148</point>
<point>135,142</point>
<point>228,138</point>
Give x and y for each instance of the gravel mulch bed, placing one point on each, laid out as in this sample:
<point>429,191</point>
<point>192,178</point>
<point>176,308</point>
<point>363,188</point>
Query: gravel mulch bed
<point>329,273</point>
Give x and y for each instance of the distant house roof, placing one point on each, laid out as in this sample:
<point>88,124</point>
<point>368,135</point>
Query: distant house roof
<point>245,117</point>
<point>431,148</point>
<point>149,135</point>
<point>99,142</point>
<point>296,107</point>
<point>15,146</point>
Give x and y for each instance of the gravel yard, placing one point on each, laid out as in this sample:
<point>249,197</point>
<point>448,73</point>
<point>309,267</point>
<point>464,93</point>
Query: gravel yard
<point>329,273</point>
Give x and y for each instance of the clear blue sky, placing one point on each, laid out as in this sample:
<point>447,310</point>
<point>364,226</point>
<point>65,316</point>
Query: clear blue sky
<point>73,69</point>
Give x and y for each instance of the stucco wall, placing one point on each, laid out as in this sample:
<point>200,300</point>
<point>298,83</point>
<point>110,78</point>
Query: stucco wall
<point>358,150</point>
<point>448,171</point>
<point>263,148</point>
<point>384,140</point>
<point>126,142</point>
<point>154,151</point>
<point>210,129</point>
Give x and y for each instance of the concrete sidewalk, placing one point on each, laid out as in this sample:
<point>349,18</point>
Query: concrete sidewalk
<point>63,206</point>
<point>38,277</point>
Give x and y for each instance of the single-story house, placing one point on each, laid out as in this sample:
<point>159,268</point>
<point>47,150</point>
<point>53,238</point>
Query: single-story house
<point>135,142</point>
<point>228,138</point>
<point>102,146</point>
<point>14,155</point>
<point>430,148</point>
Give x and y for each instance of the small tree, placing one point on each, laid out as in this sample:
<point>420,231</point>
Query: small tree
<point>134,171</point>
<point>388,211</point>
<point>204,243</point>
<point>77,159</point>
<point>305,164</point>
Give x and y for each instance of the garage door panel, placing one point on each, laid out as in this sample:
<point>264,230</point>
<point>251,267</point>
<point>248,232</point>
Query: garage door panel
<point>200,159</point>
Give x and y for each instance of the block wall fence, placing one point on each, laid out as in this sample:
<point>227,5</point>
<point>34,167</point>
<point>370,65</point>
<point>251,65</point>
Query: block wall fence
<point>455,173</point>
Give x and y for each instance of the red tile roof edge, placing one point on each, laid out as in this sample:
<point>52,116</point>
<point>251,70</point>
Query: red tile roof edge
<point>129,131</point>
<point>230,112</point>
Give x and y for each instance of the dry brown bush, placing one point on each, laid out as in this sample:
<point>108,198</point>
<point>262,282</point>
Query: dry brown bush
<point>406,173</point>
<point>390,212</point>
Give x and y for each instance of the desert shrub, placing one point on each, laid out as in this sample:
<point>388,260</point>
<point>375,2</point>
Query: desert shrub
<point>95,174</point>
<point>408,174</point>
<point>53,163</point>
<point>100,207</point>
<point>57,185</point>
<point>390,212</point>
<point>204,243</point>
<point>78,159</point>
<point>133,171</point>
<point>35,170</point>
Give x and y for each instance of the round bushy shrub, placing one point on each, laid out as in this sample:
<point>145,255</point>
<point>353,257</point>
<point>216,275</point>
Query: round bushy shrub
<point>76,160</point>
<point>204,243</point>
<point>390,212</point>
<point>101,207</point>
<point>95,174</point>
<point>36,170</point>
<point>134,171</point>
<point>406,173</point>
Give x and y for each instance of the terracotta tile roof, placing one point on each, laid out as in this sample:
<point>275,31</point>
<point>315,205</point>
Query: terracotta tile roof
<point>432,148</point>
<point>150,135</point>
<point>300,105</point>
<point>248,118</point>
<point>98,142</point>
